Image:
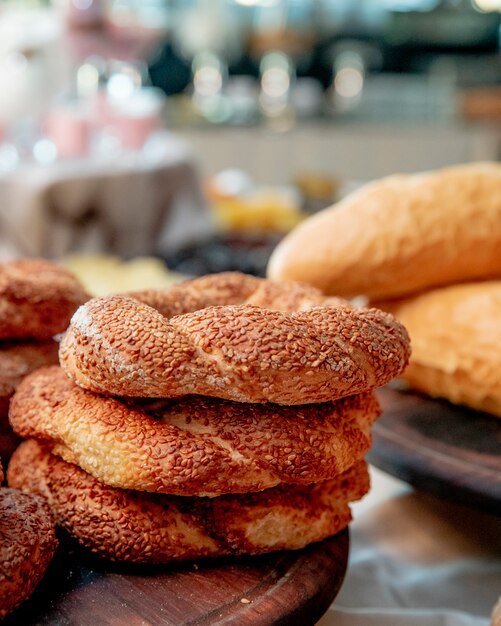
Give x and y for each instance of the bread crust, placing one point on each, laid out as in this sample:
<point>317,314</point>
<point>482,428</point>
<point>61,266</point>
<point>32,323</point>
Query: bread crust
<point>196,446</point>
<point>399,235</point>
<point>455,332</point>
<point>233,288</point>
<point>28,543</point>
<point>246,353</point>
<point>18,359</point>
<point>37,299</point>
<point>144,528</point>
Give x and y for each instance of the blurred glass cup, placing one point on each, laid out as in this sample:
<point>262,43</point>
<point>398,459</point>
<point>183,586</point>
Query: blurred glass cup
<point>137,117</point>
<point>210,73</point>
<point>68,127</point>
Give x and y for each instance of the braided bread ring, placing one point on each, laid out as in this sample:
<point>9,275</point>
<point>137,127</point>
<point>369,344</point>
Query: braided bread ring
<point>196,446</point>
<point>28,543</point>
<point>233,288</point>
<point>144,528</point>
<point>37,299</point>
<point>119,346</point>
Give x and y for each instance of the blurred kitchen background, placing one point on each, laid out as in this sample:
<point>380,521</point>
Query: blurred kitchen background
<point>198,132</point>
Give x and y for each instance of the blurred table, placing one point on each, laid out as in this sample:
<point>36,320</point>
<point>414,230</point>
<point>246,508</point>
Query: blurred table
<point>416,560</point>
<point>136,203</point>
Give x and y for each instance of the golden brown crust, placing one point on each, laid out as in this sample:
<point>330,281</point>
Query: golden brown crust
<point>455,332</point>
<point>196,446</point>
<point>400,234</point>
<point>17,359</point>
<point>28,543</point>
<point>37,299</point>
<point>144,528</point>
<point>119,346</point>
<point>233,288</point>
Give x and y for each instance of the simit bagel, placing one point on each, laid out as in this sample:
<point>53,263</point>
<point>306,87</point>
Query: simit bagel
<point>143,528</point>
<point>37,299</point>
<point>196,446</point>
<point>119,346</point>
<point>16,361</point>
<point>233,288</point>
<point>28,543</point>
<point>19,359</point>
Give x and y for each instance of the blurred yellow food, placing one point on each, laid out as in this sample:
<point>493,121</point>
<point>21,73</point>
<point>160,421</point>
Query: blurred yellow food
<point>317,186</point>
<point>106,274</point>
<point>268,211</point>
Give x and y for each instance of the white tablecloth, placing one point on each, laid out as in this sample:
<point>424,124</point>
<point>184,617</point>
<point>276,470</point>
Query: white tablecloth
<point>131,205</point>
<point>418,561</point>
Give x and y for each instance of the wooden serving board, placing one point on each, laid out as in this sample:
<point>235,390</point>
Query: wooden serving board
<point>284,588</point>
<point>450,451</point>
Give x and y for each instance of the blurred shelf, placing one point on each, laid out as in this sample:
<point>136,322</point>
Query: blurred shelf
<point>350,151</point>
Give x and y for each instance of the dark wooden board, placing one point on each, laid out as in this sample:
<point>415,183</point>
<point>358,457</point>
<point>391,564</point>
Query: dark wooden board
<point>447,450</point>
<point>284,588</point>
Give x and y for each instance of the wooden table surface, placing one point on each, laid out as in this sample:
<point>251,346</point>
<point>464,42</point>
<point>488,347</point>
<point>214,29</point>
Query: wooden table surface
<point>447,450</point>
<point>284,588</point>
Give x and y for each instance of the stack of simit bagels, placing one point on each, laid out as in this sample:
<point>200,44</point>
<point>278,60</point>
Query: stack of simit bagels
<point>225,415</point>
<point>427,248</point>
<point>37,300</point>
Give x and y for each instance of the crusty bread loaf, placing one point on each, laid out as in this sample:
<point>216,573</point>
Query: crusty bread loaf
<point>140,527</point>
<point>400,234</point>
<point>456,334</point>
<point>194,446</point>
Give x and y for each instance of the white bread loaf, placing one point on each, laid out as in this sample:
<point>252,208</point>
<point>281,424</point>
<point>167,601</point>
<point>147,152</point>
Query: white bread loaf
<point>400,234</point>
<point>456,334</point>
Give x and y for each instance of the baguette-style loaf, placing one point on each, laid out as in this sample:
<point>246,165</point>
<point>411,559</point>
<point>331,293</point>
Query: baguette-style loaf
<point>399,235</point>
<point>456,334</point>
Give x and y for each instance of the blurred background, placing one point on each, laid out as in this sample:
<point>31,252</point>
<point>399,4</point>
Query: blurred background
<point>199,132</point>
